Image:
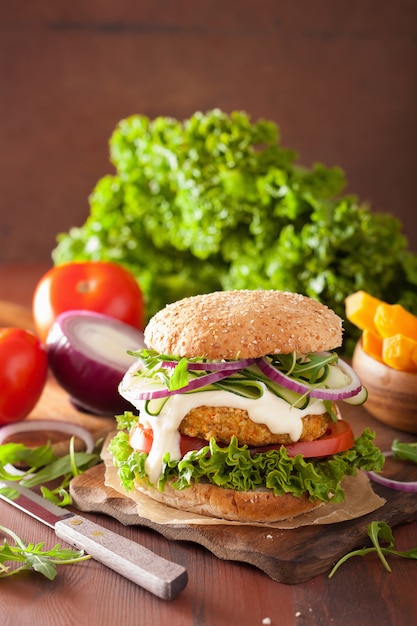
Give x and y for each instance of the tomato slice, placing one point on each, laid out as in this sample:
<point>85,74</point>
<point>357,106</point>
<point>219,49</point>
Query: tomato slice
<point>141,439</point>
<point>339,437</point>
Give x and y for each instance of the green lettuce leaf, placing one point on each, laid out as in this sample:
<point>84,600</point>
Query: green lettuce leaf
<point>234,467</point>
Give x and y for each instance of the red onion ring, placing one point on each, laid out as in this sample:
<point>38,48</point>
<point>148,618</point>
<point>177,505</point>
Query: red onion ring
<point>398,485</point>
<point>35,425</point>
<point>220,370</point>
<point>195,383</point>
<point>38,425</point>
<point>216,366</point>
<point>350,390</point>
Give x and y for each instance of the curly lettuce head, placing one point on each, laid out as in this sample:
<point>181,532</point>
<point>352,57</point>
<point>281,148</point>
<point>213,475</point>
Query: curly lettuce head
<point>215,202</point>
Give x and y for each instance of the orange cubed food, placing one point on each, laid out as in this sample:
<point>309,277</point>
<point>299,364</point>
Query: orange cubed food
<point>360,309</point>
<point>398,352</point>
<point>393,319</point>
<point>372,344</point>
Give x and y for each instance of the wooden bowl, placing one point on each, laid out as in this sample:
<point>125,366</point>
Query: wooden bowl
<point>392,395</point>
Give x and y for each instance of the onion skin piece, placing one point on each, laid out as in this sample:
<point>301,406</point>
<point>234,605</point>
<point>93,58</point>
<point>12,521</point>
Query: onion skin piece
<point>91,379</point>
<point>398,485</point>
<point>194,384</point>
<point>390,483</point>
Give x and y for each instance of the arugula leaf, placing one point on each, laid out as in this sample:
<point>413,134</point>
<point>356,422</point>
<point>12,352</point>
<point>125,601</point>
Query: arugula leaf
<point>44,466</point>
<point>378,532</point>
<point>34,557</point>
<point>312,368</point>
<point>381,531</point>
<point>179,376</point>
<point>65,466</point>
<point>19,454</point>
<point>217,202</point>
<point>59,496</point>
<point>404,451</point>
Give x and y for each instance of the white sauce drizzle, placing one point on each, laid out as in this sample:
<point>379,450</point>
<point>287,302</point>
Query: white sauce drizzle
<point>279,416</point>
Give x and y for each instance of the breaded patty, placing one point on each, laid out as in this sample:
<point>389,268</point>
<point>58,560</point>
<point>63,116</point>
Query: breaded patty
<point>224,422</point>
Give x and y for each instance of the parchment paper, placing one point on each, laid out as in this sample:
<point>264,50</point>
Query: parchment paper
<point>360,499</point>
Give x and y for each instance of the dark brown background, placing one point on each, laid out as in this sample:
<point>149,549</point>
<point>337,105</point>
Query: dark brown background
<point>338,77</point>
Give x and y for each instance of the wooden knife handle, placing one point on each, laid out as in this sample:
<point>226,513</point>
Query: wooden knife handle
<point>163,578</point>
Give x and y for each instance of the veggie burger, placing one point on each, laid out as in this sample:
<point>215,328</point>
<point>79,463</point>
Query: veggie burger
<point>236,414</point>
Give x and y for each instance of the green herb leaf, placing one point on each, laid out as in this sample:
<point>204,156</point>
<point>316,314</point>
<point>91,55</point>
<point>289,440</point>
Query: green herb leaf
<point>404,451</point>
<point>59,496</point>
<point>378,532</point>
<point>44,466</point>
<point>18,454</point>
<point>179,377</point>
<point>35,557</point>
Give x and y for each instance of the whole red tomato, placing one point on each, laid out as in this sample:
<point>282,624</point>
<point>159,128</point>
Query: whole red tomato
<point>23,372</point>
<point>97,286</point>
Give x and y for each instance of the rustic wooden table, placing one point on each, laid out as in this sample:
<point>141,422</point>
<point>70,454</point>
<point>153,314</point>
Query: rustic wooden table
<point>219,592</point>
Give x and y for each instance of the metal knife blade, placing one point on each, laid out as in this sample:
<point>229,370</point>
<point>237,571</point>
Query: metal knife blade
<point>150,571</point>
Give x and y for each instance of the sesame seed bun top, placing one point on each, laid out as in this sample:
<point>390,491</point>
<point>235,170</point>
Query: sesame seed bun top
<point>243,324</point>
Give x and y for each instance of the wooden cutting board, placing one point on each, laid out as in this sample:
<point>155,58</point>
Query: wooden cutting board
<point>287,556</point>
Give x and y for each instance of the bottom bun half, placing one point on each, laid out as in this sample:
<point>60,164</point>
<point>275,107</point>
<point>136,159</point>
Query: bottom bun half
<point>227,504</point>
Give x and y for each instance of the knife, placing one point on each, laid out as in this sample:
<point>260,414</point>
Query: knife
<point>163,578</point>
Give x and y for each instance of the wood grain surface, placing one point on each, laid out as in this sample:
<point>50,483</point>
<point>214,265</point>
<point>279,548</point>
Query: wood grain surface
<point>15,315</point>
<point>287,556</point>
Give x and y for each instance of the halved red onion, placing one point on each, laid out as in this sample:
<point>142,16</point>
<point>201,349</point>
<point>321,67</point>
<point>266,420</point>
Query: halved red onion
<point>87,354</point>
<point>195,383</point>
<point>214,366</point>
<point>322,393</point>
<point>398,485</point>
